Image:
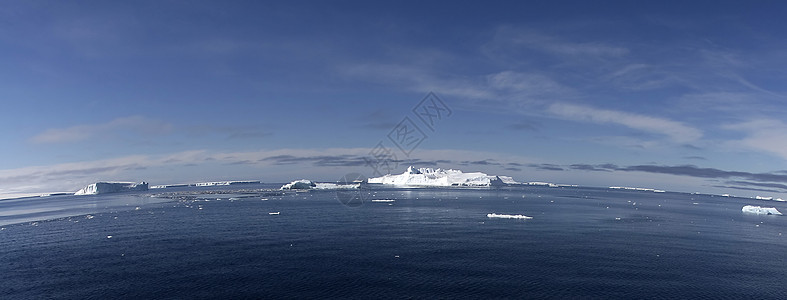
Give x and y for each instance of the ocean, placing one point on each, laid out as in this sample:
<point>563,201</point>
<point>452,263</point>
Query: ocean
<point>435,243</point>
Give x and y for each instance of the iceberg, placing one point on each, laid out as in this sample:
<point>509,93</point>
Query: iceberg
<point>112,187</point>
<point>760,210</point>
<point>501,216</point>
<point>220,183</point>
<point>305,184</point>
<point>441,177</point>
<point>302,184</point>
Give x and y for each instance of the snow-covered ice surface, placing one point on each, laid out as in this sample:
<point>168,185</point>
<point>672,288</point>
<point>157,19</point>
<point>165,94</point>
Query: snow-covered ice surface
<point>305,184</point>
<point>502,216</point>
<point>112,187</point>
<point>440,177</point>
<point>760,210</point>
<point>333,186</point>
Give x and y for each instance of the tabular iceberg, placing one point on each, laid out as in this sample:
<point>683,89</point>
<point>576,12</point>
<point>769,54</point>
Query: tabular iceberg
<point>112,187</point>
<point>305,184</point>
<point>441,177</point>
<point>760,210</point>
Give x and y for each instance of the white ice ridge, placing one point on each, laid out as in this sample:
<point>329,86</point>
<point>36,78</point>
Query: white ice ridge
<point>305,184</point>
<point>760,210</point>
<point>636,189</point>
<point>441,177</point>
<point>112,187</point>
<point>383,200</point>
<point>494,215</point>
<point>302,184</point>
<point>217,183</point>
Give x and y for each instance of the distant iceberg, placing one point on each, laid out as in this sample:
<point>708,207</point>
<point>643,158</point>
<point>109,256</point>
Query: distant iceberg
<point>112,187</point>
<point>441,177</point>
<point>637,189</point>
<point>501,216</point>
<point>219,183</point>
<point>760,210</point>
<point>305,184</point>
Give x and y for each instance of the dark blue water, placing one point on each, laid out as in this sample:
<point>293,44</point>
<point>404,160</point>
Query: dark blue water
<point>430,243</point>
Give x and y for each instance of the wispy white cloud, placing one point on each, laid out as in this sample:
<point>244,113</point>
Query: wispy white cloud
<point>765,135</point>
<point>133,124</point>
<point>676,131</point>
<point>508,37</point>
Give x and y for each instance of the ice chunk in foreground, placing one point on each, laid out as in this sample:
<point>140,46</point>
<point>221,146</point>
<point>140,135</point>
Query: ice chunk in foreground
<point>112,187</point>
<point>494,215</point>
<point>441,177</point>
<point>760,210</point>
<point>302,184</point>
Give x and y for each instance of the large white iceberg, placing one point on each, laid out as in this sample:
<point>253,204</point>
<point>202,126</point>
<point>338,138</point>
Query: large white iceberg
<point>112,187</point>
<point>760,210</point>
<point>441,177</point>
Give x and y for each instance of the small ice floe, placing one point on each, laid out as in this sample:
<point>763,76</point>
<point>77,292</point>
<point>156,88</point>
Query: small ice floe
<point>109,236</point>
<point>274,213</point>
<point>760,210</point>
<point>383,200</point>
<point>502,216</point>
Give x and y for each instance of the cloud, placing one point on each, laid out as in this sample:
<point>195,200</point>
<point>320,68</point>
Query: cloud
<point>687,170</point>
<point>676,131</point>
<point>514,38</point>
<point>546,167</point>
<point>695,157</point>
<point>765,135</point>
<point>586,167</point>
<point>134,124</point>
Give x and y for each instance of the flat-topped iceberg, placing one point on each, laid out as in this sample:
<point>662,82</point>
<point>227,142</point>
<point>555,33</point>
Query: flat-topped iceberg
<point>441,177</point>
<point>503,216</point>
<point>760,210</point>
<point>112,187</point>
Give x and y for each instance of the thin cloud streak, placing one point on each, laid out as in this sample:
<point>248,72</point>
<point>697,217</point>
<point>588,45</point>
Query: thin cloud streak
<point>676,131</point>
<point>134,124</point>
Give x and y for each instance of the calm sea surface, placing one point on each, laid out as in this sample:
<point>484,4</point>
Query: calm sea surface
<point>429,243</point>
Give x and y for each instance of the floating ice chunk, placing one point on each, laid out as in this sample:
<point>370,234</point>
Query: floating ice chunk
<point>760,210</point>
<point>763,198</point>
<point>383,200</point>
<point>274,213</point>
<point>302,184</point>
<point>494,215</point>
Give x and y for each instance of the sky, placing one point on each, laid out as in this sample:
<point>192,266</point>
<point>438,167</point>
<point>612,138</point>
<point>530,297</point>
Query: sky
<point>675,95</point>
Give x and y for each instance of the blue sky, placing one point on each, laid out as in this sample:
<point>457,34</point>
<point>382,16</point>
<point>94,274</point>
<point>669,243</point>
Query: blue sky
<point>676,96</point>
